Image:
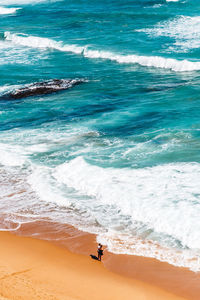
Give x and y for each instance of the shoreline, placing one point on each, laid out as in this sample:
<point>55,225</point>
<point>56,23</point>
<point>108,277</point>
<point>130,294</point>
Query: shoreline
<point>37,269</point>
<point>179,282</point>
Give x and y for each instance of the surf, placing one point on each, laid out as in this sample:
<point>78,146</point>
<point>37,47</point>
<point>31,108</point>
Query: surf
<point>145,61</point>
<point>8,11</point>
<point>183,30</point>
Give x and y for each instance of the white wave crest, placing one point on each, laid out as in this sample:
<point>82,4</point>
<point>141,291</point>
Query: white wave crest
<point>16,2</point>
<point>147,61</point>
<point>7,11</point>
<point>38,42</point>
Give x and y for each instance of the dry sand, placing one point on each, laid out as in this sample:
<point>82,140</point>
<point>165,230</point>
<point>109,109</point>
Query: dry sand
<point>36,269</point>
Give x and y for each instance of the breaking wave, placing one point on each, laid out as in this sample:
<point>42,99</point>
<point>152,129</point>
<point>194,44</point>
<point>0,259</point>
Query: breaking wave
<point>158,196</point>
<point>147,61</point>
<point>16,2</point>
<point>151,201</point>
<point>133,211</point>
<point>7,11</point>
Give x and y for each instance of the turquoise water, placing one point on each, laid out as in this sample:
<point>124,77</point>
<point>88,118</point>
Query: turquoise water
<point>119,154</point>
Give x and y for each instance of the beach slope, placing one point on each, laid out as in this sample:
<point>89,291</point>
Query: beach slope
<point>35,269</point>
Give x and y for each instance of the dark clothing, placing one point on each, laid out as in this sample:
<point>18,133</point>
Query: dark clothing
<point>100,252</point>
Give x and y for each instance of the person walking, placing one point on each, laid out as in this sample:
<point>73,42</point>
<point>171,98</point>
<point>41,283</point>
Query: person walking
<point>100,251</point>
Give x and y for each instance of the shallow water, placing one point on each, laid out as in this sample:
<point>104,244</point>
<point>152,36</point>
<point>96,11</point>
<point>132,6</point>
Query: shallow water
<point>119,154</point>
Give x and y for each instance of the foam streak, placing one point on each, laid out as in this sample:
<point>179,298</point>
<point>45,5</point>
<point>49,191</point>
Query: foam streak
<point>146,61</point>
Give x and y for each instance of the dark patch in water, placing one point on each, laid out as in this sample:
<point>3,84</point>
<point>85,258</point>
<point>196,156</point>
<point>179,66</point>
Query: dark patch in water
<point>43,88</point>
<point>160,88</point>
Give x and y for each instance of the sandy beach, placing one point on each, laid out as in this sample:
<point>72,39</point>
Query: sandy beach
<point>38,269</point>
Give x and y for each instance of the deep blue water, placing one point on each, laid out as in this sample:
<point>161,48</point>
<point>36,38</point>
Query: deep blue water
<point>119,154</point>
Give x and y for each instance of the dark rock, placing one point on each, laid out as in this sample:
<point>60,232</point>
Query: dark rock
<point>42,88</point>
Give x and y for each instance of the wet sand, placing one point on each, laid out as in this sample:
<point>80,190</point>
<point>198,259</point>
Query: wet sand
<point>63,268</point>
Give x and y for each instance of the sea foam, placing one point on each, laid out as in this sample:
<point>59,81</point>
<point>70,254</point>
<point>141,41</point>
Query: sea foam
<point>161,203</point>
<point>159,196</point>
<point>7,11</point>
<point>147,211</point>
<point>184,30</point>
<point>11,156</point>
<point>146,61</point>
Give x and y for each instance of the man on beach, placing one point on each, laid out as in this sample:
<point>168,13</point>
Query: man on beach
<point>100,251</point>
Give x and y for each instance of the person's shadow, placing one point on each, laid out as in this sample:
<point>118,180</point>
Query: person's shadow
<point>93,256</point>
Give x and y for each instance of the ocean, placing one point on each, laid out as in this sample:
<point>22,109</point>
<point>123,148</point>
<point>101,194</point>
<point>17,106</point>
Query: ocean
<point>117,155</point>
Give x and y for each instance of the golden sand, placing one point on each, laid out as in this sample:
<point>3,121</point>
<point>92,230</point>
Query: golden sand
<point>37,269</point>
